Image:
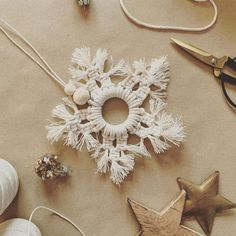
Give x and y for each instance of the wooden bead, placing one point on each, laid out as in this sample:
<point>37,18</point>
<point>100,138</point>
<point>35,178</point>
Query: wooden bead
<point>81,96</point>
<point>69,88</point>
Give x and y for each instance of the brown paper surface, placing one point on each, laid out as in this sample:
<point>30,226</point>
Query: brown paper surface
<point>28,95</point>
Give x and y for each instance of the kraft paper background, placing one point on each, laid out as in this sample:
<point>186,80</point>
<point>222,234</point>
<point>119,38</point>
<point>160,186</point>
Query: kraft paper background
<point>28,95</point>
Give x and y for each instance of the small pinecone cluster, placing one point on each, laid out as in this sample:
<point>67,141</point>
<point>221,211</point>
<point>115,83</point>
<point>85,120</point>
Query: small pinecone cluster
<point>84,2</point>
<point>49,168</point>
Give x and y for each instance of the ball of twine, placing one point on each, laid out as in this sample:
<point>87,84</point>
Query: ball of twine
<point>9,184</point>
<point>18,227</point>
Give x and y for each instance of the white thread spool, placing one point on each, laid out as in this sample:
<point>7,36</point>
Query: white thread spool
<point>9,184</point>
<point>18,227</point>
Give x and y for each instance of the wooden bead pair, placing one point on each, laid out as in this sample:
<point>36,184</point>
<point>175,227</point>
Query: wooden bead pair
<point>80,95</point>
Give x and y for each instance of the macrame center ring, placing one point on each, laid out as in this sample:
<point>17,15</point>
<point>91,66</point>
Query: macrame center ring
<point>110,130</point>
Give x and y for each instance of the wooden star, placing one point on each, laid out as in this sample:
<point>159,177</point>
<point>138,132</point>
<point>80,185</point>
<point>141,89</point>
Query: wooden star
<point>166,222</point>
<point>204,201</point>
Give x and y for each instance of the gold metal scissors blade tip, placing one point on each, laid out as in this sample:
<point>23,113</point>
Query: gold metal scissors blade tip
<point>203,56</point>
<point>194,51</point>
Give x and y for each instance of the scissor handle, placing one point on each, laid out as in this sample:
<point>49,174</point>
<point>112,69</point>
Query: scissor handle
<point>231,63</point>
<point>225,78</point>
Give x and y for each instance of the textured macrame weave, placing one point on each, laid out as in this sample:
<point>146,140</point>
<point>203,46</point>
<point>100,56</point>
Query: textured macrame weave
<point>108,143</point>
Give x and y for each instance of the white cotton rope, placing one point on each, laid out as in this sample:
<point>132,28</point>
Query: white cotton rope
<point>9,184</point>
<point>174,28</point>
<point>54,212</point>
<point>4,26</point>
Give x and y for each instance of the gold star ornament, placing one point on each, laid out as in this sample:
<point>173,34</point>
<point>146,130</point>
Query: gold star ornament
<point>203,201</point>
<point>164,223</point>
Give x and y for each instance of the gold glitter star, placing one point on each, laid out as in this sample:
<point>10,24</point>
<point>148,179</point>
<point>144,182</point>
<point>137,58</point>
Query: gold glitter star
<point>166,222</point>
<point>204,201</point>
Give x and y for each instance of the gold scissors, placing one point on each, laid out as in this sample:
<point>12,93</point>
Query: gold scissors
<point>218,64</point>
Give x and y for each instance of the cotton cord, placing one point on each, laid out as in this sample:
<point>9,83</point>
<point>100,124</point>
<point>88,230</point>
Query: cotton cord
<point>54,212</point>
<point>174,28</point>
<point>4,26</point>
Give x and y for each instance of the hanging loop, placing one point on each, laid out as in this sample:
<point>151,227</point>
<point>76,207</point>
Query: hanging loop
<point>4,26</point>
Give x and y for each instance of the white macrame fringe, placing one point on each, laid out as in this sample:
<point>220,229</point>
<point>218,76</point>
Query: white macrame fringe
<point>159,72</point>
<point>82,57</point>
<point>121,167</point>
<point>117,162</point>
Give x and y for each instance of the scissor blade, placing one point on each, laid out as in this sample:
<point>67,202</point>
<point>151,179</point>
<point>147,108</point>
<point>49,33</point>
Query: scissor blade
<point>198,53</point>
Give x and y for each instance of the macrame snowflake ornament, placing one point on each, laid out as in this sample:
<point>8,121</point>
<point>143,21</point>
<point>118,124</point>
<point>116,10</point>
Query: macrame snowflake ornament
<point>91,86</point>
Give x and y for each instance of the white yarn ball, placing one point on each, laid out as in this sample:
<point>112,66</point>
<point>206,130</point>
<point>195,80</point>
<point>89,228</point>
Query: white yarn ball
<point>70,88</point>
<point>18,227</point>
<point>81,96</point>
<point>9,184</point>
